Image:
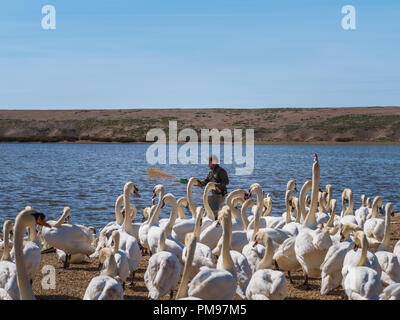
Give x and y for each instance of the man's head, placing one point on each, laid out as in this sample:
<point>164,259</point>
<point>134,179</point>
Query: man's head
<point>212,161</point>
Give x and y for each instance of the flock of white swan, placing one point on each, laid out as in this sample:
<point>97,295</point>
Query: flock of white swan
<point>214,259</point>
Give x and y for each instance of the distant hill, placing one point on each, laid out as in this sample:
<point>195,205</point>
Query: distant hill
<point>271,125</point>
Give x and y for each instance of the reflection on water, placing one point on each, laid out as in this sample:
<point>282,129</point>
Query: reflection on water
<point>89,178</point>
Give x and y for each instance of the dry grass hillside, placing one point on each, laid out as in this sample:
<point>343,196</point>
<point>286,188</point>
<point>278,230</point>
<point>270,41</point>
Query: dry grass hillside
<point>271,125</point>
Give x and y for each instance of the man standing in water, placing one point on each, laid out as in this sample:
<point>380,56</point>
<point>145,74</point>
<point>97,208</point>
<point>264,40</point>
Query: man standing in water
<point>220,177</point>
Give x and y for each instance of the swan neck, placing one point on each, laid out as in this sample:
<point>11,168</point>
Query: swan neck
<point>197,226</point>
<point>161,241</point>
<point>375,213</point>
<point>118,215</point>
<point>310,219</point>
<point>154,217</point>
<point>181,213</point>
<point>116,244</point>
<point>6,235</point>
<point>364,252</point>
<point>243,213</point>
<point>127,205</point>
<point>268,209</point>
<point>25,289</point>
<point>302,197</point>
<point>62,218</point>
<point>192,206</point>
<point>258,213</point>
<point>172,218</point>
<point>288,207</point>
<point>227,262</point>
<point>350,209</point>
<point>207,207</point>
<point>266,261</point>
<point>110,271</point>
<point>385,245</point>
<point>332,216</point>
<point>183,287</point>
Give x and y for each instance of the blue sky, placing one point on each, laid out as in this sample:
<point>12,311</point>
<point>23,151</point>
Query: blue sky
<point>208,53</point>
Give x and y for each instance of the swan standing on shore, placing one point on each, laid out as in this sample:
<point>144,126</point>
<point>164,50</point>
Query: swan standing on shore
<point>361,213</point>
<point>312,243</point>
<point>8,270</point>
<point>374,227</point>
<point>153,220</point>
<point>203,256</point>
<point>189,253</point>
<point>211,235</point>
<point>243,270</point>
<point>265,283</point>
<point>361,282</point>
<point>154,232</point>
<point>331,267</point>
<point>70,238</point>
<point>367,257</point>
<point>121,258</point>
<point>163,270</point>
<point>27,218</point>
<point>347,215</point>
<point>239,237</point>
<point>388,261</point>
<point>128,242</point>
<point>217,284</point>
<point>105,286</point>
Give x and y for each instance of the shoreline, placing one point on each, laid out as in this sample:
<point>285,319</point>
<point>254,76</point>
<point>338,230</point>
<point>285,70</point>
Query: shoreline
<point>329,143</point>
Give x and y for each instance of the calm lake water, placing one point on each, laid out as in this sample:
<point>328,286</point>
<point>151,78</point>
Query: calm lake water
<point>90,177</point>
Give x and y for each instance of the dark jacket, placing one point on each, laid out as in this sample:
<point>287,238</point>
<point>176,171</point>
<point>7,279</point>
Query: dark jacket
<point>220,177</point>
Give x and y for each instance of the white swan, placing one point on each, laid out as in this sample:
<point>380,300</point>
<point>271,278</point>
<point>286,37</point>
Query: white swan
<point>27,218</point>
<point>285,255</point>
<point>388,261</point>
<point>203,255</point>
<point>190,246</point>
<point>331,267</point>
<point>163,270</point>
<point>239,238</point>
<point>374,227</point>
<point>292,227</point>
<point>121,258</point>
<point>361,213</point>
<point>8,270</point>
<point>209,218</point>
<point>361,282</point>
<point>79,257</point>
<point>70,238</point>
<point>266,284</point>
<point>347,215</point>
<point>182,225</point>
<point>65,218</point>
<point>105,286</point>
<point>154,214</point>
<point>278,236</point>
<point>128,242</point>
<point>353,257</point>
<point>211,235</point>
<point>243,270</point>
<point>154,232</point>
<point>107,230</point>
<point>217,284</point>
<point>311,244</point>
<point>285,218</point>
<point>32,255</point>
